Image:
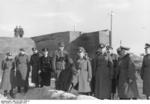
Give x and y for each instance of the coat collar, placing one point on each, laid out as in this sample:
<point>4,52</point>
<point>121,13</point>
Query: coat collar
<point>22,54</point>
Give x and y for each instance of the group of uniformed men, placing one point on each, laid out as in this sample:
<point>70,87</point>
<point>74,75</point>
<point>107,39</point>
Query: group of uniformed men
<point>104,76</point>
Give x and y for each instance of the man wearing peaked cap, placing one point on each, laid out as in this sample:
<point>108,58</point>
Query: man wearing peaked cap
<point>127,78</point>
<point>101,45</point>
<point>109,47</point>
<point>124,48</point>
<point>118,51</point>
<point>122,51</point>
<point>61,44</point>
<point>147,48</point>
<point>59,63</point>
<point>84,69</point>
<point>35,65</point>
<point>8,68</point>
<point>81,49</point>
<point>34,49</point>
<point>147,45</point>
<point>22,49</point>
<point>22,70</point>
<point>103,73</point>
<point>145,71</point>
<point>45,49</point>
<point>101,49</point>
<point>9,54</point>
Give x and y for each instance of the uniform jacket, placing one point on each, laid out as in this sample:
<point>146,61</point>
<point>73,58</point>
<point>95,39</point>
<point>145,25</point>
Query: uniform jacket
<point>59,58</point>
<point>46,64</point>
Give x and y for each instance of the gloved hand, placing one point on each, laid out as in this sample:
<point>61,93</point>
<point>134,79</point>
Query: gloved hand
<point>89,79</point>
<point>130,80</point>
<point>39,71</point>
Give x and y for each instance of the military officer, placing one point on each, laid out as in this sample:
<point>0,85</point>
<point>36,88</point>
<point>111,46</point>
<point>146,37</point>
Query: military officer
<point>145,71</point>
<point>84,69</point>
<point>103,66</point>
<point>22,70</point>
<point>8,68</point>
<point>45,68</point>
<point>65,79</point>
<point>59,61</point>
<point>35,66</point>
<point>127,88</point>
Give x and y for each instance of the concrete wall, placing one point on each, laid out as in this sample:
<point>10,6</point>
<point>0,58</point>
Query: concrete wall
<point>73,44</point>
<point>104,37</point>
<point>51,40</point>
<point>73,39</point>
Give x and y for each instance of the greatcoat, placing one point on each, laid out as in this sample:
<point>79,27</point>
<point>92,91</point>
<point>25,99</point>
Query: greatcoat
<point>22,70</point>
<point>8,77</point>
<point>103,66</point>
<point>35,63</point>
<point>126,89</point>
<point>145,74</point>
<point>84,75</point>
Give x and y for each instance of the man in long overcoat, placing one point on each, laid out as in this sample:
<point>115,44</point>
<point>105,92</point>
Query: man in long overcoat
<point>84,75</point>
<point>103,67</point>
<point>22,70</point>
<point>8,68</point>
<point>127,88</point>
<point>35,66</point>
<point>145,71</point>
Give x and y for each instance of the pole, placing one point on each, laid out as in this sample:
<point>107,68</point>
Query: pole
<point>111,17</point>
<point>111,21</point>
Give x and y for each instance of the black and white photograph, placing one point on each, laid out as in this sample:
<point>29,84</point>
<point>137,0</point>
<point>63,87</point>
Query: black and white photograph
<point>74,50</point>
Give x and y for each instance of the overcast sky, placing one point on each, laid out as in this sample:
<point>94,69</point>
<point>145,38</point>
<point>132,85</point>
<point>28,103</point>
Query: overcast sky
<point>131,19</point>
